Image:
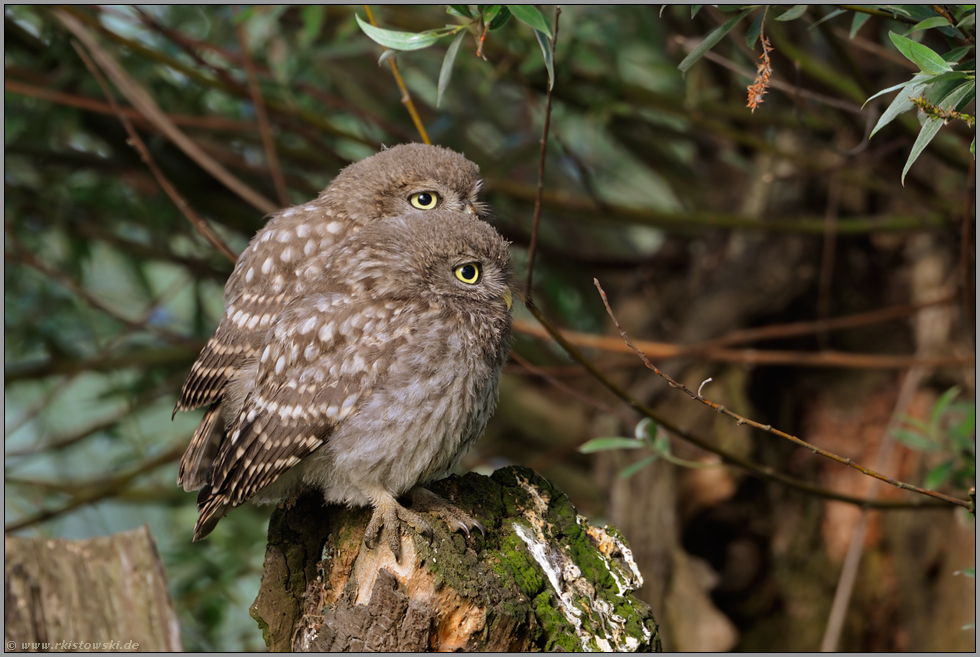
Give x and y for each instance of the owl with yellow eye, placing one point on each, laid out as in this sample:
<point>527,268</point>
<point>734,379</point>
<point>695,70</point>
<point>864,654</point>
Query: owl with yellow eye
<point>360,347</point>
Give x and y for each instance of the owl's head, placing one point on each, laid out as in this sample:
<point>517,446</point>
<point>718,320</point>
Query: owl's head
<point>451,259</point>
<point>406,178</point>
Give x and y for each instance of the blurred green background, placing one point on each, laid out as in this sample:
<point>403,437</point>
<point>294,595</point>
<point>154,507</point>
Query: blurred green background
<point>699,217</point>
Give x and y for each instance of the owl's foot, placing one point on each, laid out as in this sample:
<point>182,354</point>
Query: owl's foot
<point>457,519</point>
<point>388,518</point>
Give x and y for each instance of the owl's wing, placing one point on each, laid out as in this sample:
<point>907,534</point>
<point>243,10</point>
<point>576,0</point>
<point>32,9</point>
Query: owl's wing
<point>319,364</point>
<point>255,294</point>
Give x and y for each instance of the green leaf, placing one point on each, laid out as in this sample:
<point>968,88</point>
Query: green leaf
<point>935,21</point>
<point>709,42</point>
<point>922,56</point>
<point>834,14</point>
<point>446,72</point>
<point>529,15</point>
<point>398,40</point>
<point>915,440</point>
<point>931,126</point>
<point>695,9</point>
<point>489,12</point>
<point>927,132</point>
<point>386,55</point>
<point>632,469</point>
<point>938,475</point>
<point>544,42</point>
<point>901,104</point>
<point>313,16</point>
<point>967,572</point>
<point>500,19</point>
<point>752,34</point>
<point>939,409</point>
<point>956,54</point>
<point>605,444</point>
<point>858,22</point>
<point>792,13</point>
<point>460,10</point>
<point>969,21</point>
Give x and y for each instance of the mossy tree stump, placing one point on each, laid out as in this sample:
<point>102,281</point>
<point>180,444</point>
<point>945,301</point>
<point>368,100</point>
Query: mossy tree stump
<point>541,578</point>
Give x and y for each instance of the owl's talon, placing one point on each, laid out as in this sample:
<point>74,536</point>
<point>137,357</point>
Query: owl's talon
<point>388,518</point>
<point>457,519</point>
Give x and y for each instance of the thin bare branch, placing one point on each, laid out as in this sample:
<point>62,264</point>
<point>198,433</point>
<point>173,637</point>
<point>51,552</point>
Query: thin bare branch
<point>137,142</point>
<point>271,156</point>
<point>766,427</point>
<point>93,105</point>
<point>730,458</point>
<point>142,101</point>
<point>96,490</point>
<point>532,247</point>
<point>752,356</point>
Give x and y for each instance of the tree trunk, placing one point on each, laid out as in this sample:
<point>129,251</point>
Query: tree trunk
<point>101,594</point>
<point>541,578</point>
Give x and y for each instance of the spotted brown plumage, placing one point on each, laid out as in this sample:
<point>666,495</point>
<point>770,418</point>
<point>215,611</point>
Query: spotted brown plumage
<point>264,278</point>
<point>380,370</point>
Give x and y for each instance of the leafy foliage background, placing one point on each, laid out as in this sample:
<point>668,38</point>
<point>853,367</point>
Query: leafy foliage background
<point>699,216</point>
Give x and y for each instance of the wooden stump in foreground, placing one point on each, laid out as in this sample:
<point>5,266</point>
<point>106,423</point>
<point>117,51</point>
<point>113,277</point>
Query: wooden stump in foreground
<point>541,579</point>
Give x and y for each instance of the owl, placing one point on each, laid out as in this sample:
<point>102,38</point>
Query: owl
<point>377,373</point>
<point>390,183</point>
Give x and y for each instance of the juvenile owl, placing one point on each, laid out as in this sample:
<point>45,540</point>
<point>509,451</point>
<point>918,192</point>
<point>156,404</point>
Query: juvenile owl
<point>375,376</point>
<point>395,181</point>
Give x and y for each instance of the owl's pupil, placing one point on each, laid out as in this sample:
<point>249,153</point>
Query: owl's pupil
<point>425,199</point>
<point>469,272</point>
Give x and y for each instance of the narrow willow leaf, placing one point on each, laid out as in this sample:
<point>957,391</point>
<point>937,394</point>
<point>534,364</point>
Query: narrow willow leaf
<point>631,470</point>
<point>792,13</point>
<point>446,72</point>
<point>545,44</point>
<point>833,14</point>
<point>709,42</point>
<point>938,475</point>
<point>942,404</point>
<point>935,21</point>
<point>752,34</point>
<point>460,10</point>
<point>529,15</point>
<point>500,19</point>
<point>858,23</point>
<point>929,130</point>
<point>695,9</point>
<point>313,16</point>
<point>922,56</point>
<point>901,104</point>
<point>915,440</point>
<point>956,54</point>
<point>931,126</point>
<point>398,40</point>
<point>490,12</point>
<point>386,55</point>
<point>605,444</point>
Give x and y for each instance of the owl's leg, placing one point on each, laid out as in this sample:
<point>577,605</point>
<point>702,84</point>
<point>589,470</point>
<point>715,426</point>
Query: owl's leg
<point>458,520</point>
<point>388,517</point>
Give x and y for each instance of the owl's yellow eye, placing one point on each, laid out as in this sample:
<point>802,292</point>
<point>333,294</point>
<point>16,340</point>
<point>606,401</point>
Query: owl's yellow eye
<point>424,200</point>
<point>468,273</point>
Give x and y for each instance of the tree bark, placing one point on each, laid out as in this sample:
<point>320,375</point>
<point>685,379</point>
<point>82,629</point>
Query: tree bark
<point>101,594</point>
<point>541,578</point>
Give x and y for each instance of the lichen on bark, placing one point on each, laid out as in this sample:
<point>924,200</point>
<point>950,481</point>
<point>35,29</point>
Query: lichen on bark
<point>539,579</point>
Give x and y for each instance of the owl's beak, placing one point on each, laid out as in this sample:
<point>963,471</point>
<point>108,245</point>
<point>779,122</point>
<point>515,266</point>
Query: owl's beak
<point>508,298</point>
<point>469,209</point>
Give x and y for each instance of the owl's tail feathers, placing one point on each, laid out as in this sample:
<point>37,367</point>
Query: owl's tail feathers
<point>212,509</point>
<point>202,450</point>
